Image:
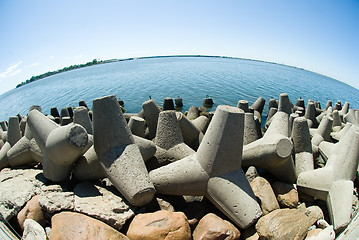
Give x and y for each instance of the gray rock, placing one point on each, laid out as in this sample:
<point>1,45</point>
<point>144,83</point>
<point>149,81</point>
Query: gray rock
<point>53,200</point>
<point>17,187</point>
<point>33,230</point>
<point>102,204</point>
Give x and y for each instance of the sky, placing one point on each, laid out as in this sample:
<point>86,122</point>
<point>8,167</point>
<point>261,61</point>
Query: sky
<point>40,35</point>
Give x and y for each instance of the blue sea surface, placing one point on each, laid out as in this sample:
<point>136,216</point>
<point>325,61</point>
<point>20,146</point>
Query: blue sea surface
<point>226,80</point>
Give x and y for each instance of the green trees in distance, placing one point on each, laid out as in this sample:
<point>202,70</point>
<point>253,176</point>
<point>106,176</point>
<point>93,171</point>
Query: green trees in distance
<point>47,74</point>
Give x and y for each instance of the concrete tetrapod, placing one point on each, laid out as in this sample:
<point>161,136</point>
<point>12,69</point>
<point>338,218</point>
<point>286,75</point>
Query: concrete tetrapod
<point>151,111</point>
<point>25,151</point>
<point>118,154</point>
<point>284,104</point>
<point>334,182</point>
<point>13,136</point>
<point>215,170</point>
<point>273,152</point>
<point>88,167</point>
<point>82,117</point>
<point>192,136</point>
<point>169,137</point>
<point>302,146</point>
<point>60,146</point>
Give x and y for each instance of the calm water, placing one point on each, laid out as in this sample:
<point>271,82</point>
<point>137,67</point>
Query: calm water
<point>192,78</point>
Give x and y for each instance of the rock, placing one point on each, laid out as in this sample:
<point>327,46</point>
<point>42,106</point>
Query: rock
<point>102,204</point>
<point>53,200</point>
<point>263,190</point>
<point>17,188</point>
<point>249,234</point>
<point>313,232</point>
<point>315,212</point>
<point>212,227</point>
<point>287,195</point>
<point>159,225</point>
<point>33,230</point>
<point>326,234</point>
<point>283,224</point>
<point>70,225</point>
<point>32,210</point>
<point>251,173</point>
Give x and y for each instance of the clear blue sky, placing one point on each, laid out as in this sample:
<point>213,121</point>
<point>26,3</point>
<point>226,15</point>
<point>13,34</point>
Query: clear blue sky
<point>40,35</point>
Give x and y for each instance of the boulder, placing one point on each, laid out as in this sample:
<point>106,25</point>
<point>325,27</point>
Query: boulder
<point>287,195</point>
<point>212,227</point>
<point>102,204</point>
<point>53,200</point>
<point>17,188</point>
<point>33,230</point>
<point>32,210</point>
<point>284,224</point>
<point>263,190</point>
<point>159,225</point>
<point>70,225</point>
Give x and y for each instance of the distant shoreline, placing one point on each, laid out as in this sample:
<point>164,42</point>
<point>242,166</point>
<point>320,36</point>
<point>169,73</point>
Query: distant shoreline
<point>97,62</point>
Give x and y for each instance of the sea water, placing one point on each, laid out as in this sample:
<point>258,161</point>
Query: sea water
<point>225,80</point>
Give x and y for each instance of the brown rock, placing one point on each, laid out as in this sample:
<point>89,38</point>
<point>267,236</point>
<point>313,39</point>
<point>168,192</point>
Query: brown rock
<point>283,224</point>
<point>32,211</point>
<point>70,225</point>
<point>287,195</point>
<point>263,190</point>
<point>160,225</point>
<point>212,227</point>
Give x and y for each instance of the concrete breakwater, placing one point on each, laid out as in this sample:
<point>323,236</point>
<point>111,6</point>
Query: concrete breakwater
<point>161,174</point>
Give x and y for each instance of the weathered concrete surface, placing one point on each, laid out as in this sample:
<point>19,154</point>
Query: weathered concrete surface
<point>215,170</point>
<point>273,152</point>
<point>102,204</point>
<point>61,146</point>
<point>302,146</point>
<point>118,154</point>
<point>334,182</point>
<point>25,184</point>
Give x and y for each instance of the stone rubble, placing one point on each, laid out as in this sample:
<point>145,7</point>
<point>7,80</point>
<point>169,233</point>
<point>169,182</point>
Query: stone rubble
<point>162,174</point>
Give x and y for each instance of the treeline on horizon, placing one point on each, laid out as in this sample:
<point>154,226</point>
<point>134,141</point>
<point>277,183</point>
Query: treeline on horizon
<point>47,74</point>
<point>95,61</point>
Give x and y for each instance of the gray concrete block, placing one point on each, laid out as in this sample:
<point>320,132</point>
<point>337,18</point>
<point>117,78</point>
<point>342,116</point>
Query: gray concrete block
<point>118,154</point>
<point>215,170</point>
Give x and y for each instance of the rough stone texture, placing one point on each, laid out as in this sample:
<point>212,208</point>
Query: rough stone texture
<point>251,173</point>
<point>102,204</point>
<point>212,227</point>
<point>159,225</point>
<point>263,190</point>
<point>32,210</point>
<point>70,225</point>
<point>33,231</point>
<point>287,195</point>
<point>53,200</point>
<point>17,188</point>
<point>283,224</point>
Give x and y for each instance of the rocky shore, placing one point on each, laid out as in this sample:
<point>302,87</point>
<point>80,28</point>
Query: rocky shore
<point>162,174</point>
